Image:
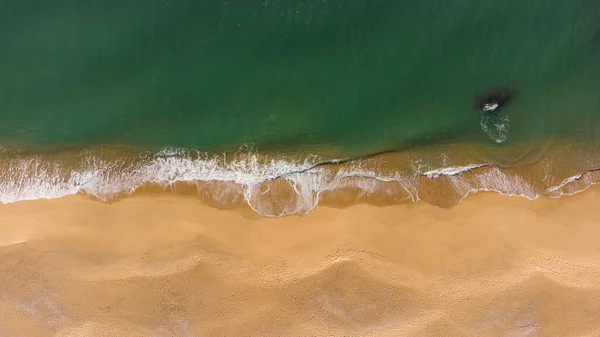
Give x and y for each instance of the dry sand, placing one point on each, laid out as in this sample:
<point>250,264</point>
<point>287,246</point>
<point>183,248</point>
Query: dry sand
<point>170,266</point>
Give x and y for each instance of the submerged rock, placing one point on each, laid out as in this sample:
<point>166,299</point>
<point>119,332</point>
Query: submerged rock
<point>495,99</point>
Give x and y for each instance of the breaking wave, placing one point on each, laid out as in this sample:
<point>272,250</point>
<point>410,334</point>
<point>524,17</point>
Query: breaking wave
<point>281,185</point>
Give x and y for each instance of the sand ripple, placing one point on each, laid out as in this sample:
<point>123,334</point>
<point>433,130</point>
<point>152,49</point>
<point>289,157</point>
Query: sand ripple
<point>492,266</point>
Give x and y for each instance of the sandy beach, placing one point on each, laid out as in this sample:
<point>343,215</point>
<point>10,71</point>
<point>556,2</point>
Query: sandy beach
<point>168,265</point>
<point>299,168</point>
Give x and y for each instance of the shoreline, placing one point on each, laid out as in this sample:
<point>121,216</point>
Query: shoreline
<point>278,185</point>
<point>169,264</point>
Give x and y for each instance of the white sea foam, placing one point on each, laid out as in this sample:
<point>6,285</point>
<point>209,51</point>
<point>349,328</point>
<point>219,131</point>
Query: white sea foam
<point>452,171</point>
<point>496,127</point>
<point>257,176</point>
<point>494,180</point>
<point>565,182</point>
<point>584,179</point>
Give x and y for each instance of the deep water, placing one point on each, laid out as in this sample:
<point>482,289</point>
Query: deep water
<point>357,76</point>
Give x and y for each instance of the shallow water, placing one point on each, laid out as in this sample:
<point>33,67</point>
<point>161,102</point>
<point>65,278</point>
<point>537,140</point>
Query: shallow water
<point>277,185</point>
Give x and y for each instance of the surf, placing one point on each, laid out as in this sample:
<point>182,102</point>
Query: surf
<point>275,185</point>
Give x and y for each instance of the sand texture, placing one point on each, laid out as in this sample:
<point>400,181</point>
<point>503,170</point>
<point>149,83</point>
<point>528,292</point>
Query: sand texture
<point>170,266</point>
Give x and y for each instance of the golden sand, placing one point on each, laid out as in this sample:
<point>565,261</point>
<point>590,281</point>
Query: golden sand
<point>170,266</point>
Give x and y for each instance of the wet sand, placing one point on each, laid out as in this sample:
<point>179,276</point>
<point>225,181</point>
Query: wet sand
<point>168,265</point>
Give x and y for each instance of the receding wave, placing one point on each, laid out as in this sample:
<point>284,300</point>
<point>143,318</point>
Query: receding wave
<point>281,185</point>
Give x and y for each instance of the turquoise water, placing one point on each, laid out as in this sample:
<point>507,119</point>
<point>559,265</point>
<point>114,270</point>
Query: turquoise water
<point>112,97</point>
<point>355,75</point>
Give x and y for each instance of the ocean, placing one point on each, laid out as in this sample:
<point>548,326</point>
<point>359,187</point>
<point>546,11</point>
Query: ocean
<point>285,104</point>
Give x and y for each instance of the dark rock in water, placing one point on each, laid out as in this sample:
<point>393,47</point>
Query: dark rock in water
<point>495,99</point>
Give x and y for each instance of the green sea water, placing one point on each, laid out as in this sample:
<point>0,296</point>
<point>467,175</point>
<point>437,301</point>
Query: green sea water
<point>355,75</point>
